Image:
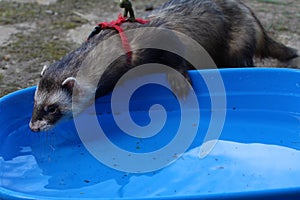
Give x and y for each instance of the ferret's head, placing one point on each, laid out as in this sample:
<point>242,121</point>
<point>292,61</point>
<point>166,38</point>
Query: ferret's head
<point>52,101</point>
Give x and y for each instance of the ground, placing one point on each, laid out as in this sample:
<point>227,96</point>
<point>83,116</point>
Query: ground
<point>38,32</point>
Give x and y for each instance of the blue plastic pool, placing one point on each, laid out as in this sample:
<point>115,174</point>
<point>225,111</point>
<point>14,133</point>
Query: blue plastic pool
<point>256,156</point>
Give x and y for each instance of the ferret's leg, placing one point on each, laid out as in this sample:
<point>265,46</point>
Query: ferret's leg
<point>179,80</point>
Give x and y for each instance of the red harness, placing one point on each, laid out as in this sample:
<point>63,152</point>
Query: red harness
<point>117,26</point>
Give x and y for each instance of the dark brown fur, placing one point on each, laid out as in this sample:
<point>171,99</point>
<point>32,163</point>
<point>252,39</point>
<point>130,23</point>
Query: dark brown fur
<point>227,29</point>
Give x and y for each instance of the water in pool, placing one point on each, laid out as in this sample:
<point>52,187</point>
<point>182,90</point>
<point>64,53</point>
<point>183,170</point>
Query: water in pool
<point>57,164</point>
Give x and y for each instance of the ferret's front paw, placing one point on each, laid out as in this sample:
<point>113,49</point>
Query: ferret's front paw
<point>180,84</point>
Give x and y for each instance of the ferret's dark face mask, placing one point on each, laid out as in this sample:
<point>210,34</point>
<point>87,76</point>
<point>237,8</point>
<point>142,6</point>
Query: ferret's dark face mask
<point>44,117</point>
<point>49,109</point>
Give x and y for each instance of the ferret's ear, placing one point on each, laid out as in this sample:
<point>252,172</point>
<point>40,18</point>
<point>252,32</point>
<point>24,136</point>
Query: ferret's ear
<point>43,70</point>
<point>70,83</point>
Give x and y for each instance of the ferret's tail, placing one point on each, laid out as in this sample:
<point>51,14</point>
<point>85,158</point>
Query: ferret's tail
<point>268,48</point>
<point>273,49</point>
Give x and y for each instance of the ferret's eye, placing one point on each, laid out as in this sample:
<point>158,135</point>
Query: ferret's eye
<point>51,109</point>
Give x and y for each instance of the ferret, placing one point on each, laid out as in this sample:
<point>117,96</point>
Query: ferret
<point>227,29</point>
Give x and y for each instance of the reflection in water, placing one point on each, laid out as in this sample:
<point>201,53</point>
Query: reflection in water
<point>51,164</point>
<point>18,171</point>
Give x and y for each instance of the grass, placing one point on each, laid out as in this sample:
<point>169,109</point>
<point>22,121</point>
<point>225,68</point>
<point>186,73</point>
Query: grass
<point>276,2</point>
<point>9,89</point>
<point>60,16</point>
<point>12,12</point>
<point>73,22</point>
<point>46,42</point>
<point>38,46</point>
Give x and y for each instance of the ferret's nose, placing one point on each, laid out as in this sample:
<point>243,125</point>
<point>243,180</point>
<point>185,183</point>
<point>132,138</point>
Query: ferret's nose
<point>34,127</point>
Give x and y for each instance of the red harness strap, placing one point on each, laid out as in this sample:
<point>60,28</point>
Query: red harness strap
<point>117,26</point>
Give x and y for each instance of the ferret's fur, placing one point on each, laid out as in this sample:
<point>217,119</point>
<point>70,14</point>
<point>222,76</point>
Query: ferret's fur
<point>227,29</point>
